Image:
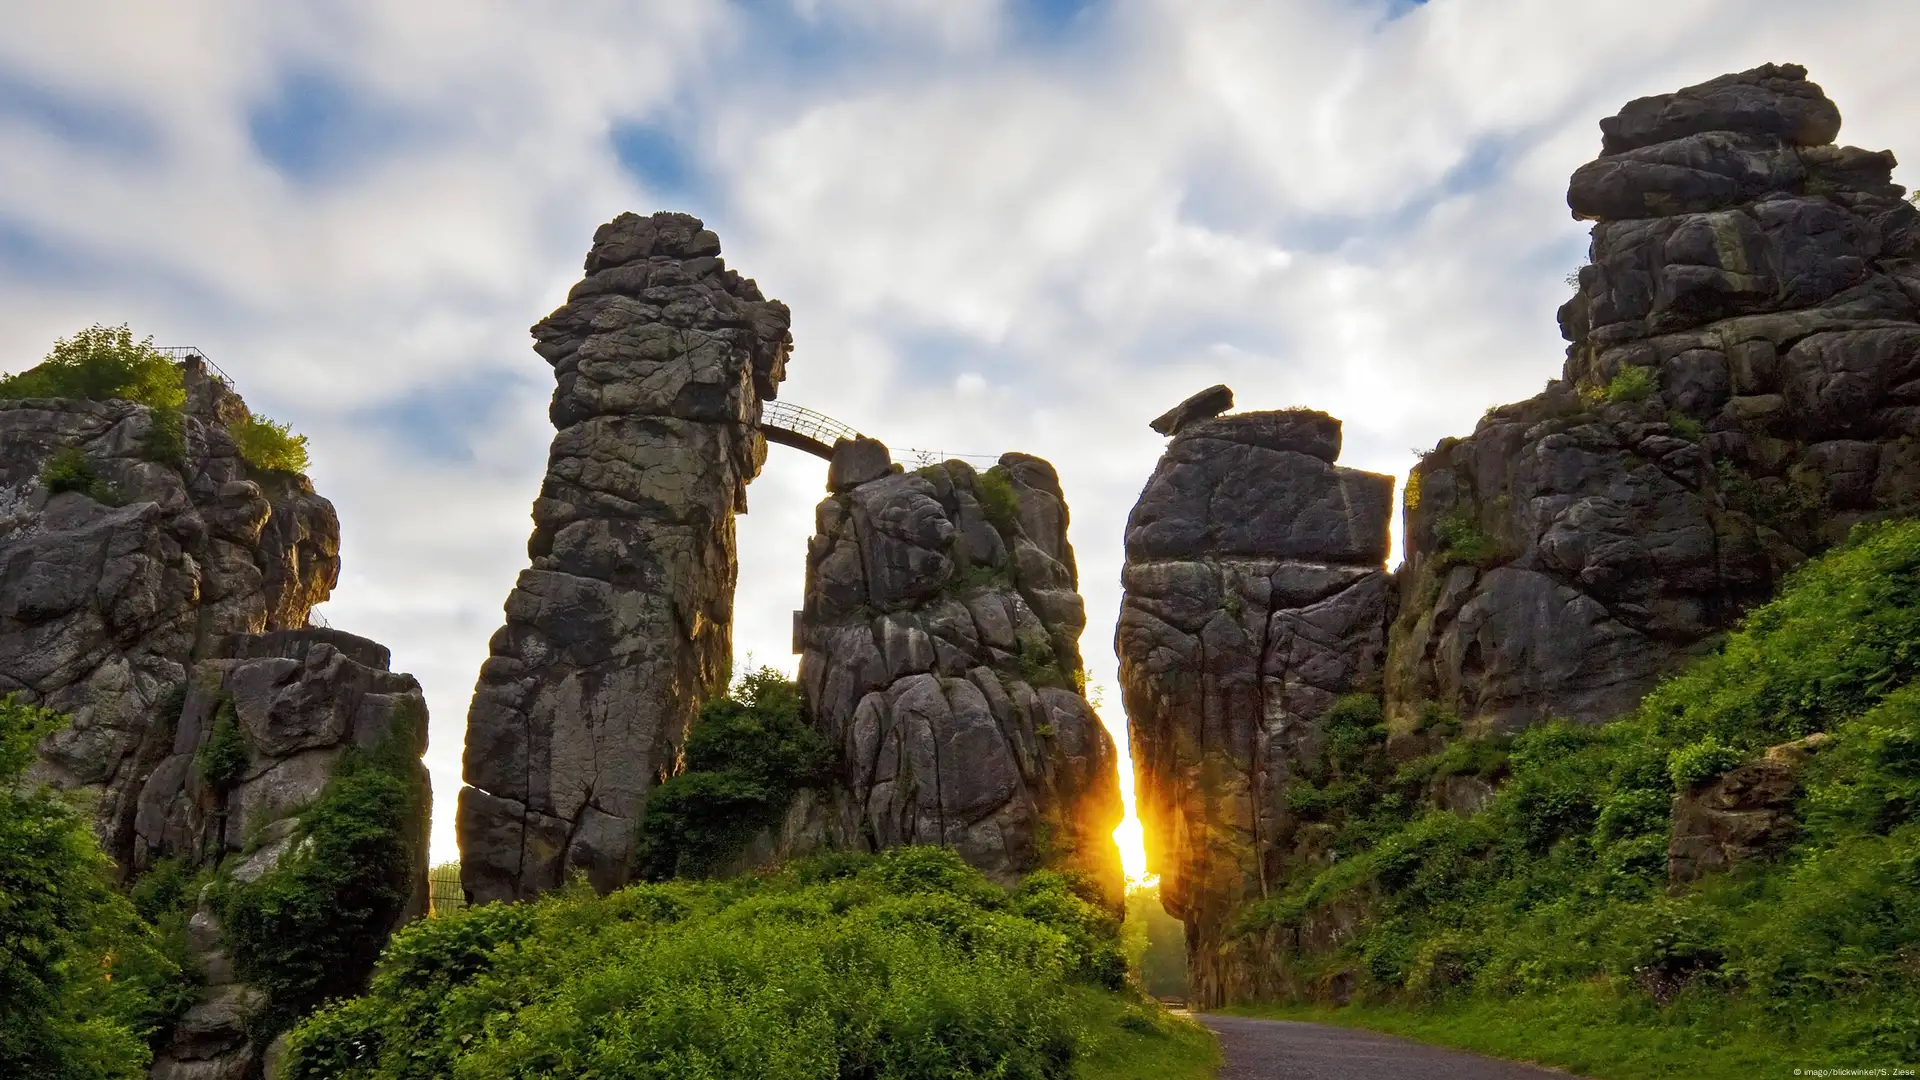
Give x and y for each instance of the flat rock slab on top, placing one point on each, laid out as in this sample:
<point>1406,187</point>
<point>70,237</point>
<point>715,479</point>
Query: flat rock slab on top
<point>1204,405</point>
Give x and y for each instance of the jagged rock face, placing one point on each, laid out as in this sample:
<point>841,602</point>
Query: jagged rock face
<point>104,607</point>
<point>1743,386</point>
<point>620,625</point>
<point>940,654</point>
<point>1256,594</point>
<point>301,699</point>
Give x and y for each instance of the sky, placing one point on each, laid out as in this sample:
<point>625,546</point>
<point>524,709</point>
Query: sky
<point>1001,225</point>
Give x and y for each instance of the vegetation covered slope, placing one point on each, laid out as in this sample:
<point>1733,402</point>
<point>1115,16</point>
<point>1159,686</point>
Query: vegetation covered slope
<point>903,965</point>
<point>1544,925</point>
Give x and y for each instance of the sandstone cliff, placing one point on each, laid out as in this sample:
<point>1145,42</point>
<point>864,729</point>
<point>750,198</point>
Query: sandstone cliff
<point>1739,391</point>
<point>1256,594</point>
<point>160,598</point>
<point>620,625</point>
<point>1742,386</point>
<point>104,605</point>
<point>940,655</point>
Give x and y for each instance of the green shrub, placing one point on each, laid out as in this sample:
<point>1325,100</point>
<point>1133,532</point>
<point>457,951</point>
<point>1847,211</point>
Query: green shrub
<point>998,499</point>
<point>270,446</point>
<point>311,928</point>
<point>1463,541</point>
<point>1685,427</point>
<point>746,756</point>
<point>223,758</point>
<point>1698,761</point>
<point>1632,383</point>
<point>903,965</point>
<point>166,441</point>
<point>102,363</point>
<point>83,982</point>
<point>69,470</point>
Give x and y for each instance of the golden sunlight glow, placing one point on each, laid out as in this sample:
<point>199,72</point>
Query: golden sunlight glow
<point>1130,836</point>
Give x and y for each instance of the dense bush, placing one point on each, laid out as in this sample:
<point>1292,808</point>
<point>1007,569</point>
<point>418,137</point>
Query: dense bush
<point>222,760</point>
<point>265,444</point>
<point>102,363</point>
<point>1559,886</point>
<point>903,965</point>
<point>745,758</point>
<point>311,928</point>
<point>82,980</point>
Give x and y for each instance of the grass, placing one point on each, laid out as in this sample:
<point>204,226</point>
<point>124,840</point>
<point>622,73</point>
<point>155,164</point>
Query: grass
<point>70,470</point>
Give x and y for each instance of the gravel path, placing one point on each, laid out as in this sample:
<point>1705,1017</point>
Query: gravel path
<point>1285,1050</point>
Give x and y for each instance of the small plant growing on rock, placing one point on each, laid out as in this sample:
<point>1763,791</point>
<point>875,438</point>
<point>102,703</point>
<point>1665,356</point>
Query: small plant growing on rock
<point>223,759</point>
<point>999,501</point>
<point>1632,383</point>
<point>1685,427</point>
<point>69,470</point>
<point>1463,541</point>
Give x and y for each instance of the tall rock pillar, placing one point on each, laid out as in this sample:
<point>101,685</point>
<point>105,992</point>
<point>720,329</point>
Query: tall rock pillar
<point>621,624</point>
<point>1256,594</point>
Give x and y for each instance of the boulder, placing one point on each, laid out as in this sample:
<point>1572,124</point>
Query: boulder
<point>1204,405</point>
<point>856,461</point>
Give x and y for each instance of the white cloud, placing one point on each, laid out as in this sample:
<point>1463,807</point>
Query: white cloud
<point>989,242</point>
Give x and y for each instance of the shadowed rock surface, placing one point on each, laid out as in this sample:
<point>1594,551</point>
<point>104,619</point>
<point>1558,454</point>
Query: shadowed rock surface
<point>620,626</point>
<point>1742,387</point>
<point>1256,594</point>
<point>940,655</point>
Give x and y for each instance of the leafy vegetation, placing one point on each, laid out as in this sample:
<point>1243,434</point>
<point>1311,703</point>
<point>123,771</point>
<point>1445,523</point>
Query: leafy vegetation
<point>102,363</point>
<point>1552,901</point>
<point>904,965</point>
<point>69,470</point>
<point>311,928</point>
<point>1463,541</point>
<point>83,981</point>
<point>265,444</point>
<point>1632,382</point>
<point>746,757</point>
<point>223,758</point>
<point>997,498</point>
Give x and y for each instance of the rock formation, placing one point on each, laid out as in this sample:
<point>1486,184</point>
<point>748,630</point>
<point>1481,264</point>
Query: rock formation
<point>167,592</point>
<point>105,605</point>
<point>620,625</point>
<point>1741,388</point>
<point>1256,594</point>
<point>1739,392</point>
<point>940,654</point>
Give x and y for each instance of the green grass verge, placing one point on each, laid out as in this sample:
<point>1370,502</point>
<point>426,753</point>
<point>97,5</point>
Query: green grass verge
<point>1142,1042</point>
<point>1593,1031</point>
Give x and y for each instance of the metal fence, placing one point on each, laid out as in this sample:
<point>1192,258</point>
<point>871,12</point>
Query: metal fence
<point>181,352</point>
<point>443,889</point>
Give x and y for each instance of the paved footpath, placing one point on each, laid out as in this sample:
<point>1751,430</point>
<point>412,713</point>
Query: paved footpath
<point>1286,1050</point>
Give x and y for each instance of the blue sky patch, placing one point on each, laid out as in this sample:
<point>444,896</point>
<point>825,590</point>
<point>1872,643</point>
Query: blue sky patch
<point>73,120</point>
<point>658,160</point>
<point>442,421</point>
<point>316,127</point>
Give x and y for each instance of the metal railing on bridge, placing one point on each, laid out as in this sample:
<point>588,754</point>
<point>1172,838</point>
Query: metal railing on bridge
<point>815,432</point>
